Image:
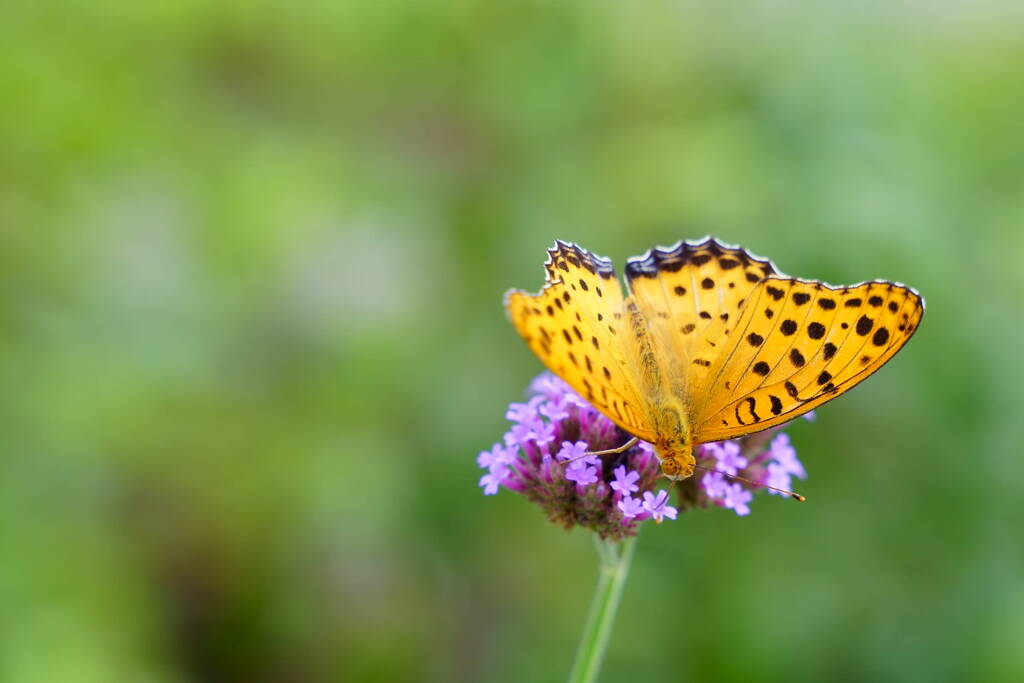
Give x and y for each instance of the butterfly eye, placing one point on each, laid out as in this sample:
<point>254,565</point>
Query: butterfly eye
<point>670,467</point>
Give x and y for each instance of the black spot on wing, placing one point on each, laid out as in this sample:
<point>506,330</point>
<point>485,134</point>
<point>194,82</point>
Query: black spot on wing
<point>751,404</point>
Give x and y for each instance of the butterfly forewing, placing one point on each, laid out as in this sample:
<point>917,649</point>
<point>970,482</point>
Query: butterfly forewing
<point>691,295</point>
<point>797,345</point>
<point>576,326</point>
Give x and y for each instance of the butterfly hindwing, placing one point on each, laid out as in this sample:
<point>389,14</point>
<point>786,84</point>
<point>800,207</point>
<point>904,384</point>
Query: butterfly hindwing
<point>575,325</point>
<point>796,345</point>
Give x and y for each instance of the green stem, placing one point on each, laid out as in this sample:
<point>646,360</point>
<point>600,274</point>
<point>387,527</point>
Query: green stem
<point>614,559</point>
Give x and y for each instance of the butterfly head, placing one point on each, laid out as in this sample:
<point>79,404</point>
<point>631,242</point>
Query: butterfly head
<point>677,464</point>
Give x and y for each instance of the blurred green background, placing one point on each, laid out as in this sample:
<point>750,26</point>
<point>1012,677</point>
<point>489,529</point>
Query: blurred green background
<point>253,257</point>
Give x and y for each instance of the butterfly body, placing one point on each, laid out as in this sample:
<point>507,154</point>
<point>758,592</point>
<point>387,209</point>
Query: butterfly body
<point>708,342</point>
<point>663,402</point>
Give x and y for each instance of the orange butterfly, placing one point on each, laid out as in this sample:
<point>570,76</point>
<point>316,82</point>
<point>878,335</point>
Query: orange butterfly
<point>708,343</point>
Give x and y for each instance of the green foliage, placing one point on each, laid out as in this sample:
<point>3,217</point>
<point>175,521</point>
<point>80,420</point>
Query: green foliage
<point>252,263</point>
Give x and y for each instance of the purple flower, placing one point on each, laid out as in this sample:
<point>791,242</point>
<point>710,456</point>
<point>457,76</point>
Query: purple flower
<point>736,498</point>
<point>493,479</point>
<point>658,506</point>
<point>549,386</point>
<point>574,451</point>
<point>625,482</point>
<point>779,478</point>
<point>630,507</point>
<point>554,411</point>
<point>523,412</point>
<point>497,455</point>
<point>581,473</point>
<point>727,455</point>
<point>714,484</point>
<point>519,434</point>
<point>613,494</point>
<point>543,432</point>
<point>785,455</point>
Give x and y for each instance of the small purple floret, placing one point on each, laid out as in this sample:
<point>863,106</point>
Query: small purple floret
<point>785,455</point>
<point>658,506</point>
<point>625,482</point>
<point>630,507</point>
<point>736,498</point>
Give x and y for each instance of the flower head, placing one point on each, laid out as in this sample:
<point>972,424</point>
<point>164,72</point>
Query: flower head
<point>547,458</point>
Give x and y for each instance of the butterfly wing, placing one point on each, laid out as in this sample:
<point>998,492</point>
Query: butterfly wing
<point>691,295</point>
<point>576,326</point>
<point>798,344</point>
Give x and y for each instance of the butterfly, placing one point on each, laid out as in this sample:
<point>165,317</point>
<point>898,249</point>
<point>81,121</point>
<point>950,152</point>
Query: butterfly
<point>708,342</point>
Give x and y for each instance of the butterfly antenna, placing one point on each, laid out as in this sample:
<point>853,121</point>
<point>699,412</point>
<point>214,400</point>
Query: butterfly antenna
<point>791,494</point>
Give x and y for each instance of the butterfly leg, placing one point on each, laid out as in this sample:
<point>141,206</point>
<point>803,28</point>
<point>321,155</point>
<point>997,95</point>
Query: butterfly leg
<point>624,447</point>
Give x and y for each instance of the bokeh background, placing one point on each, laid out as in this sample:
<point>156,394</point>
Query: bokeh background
<point>252,259</point>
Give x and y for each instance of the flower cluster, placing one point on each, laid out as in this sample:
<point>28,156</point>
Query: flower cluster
<point>546,457</point>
